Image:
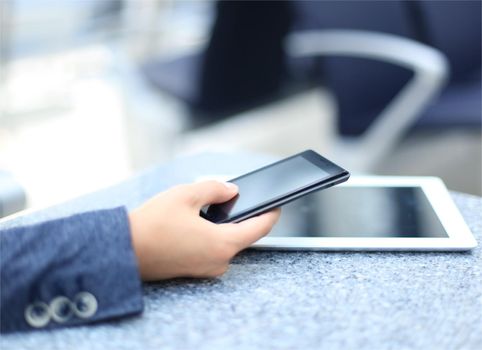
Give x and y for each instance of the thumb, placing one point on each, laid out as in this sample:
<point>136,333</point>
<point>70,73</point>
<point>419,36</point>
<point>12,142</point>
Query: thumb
<point>210,192</point>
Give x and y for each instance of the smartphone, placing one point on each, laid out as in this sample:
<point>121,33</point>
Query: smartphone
<point>275,185</point>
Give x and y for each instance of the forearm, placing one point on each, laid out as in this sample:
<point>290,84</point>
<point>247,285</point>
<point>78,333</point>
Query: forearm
<point>85,261</point>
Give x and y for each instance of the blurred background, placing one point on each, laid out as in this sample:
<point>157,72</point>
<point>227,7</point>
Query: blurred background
<point>92,92</point>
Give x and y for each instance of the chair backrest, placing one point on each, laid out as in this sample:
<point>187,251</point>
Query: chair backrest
<point>453,27</point>
<point>362,87</point>
<point>430,73</point>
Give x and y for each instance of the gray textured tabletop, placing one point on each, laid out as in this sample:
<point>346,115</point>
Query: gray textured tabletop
<point>287,300</point>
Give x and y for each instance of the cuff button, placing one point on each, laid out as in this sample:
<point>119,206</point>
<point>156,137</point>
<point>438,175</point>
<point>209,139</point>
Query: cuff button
<point>61,309</point>
<point>84,305</point>
<point>37,314</point>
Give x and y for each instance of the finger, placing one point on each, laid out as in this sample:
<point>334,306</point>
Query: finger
<point>210,192</point>
<point>249,231</point>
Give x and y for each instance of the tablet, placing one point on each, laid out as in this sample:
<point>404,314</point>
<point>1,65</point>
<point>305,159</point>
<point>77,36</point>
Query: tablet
<point>373,213</point>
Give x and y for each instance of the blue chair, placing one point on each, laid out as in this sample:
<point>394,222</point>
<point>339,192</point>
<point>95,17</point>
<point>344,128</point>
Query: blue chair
<point>459,105</point>
<point>452,27</point>
<point>239,70</point>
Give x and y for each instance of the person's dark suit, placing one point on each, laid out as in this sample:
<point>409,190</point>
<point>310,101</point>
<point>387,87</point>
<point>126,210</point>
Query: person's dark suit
<point>71,271</point>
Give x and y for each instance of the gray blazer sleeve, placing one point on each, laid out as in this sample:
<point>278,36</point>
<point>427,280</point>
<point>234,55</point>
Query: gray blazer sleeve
<point>70,271</point>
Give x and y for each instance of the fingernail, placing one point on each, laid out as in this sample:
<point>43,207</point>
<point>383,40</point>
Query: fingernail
<point>231,186</point>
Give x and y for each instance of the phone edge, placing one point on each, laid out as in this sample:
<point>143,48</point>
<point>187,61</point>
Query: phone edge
<point>281,201</point>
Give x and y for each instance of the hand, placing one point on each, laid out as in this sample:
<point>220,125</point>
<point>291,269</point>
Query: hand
<point>170,239</point>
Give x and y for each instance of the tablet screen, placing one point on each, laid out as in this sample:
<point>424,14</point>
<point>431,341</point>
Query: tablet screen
<point>360,212</point>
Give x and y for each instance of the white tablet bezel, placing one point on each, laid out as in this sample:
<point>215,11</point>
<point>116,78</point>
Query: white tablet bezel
<point>459,235</point>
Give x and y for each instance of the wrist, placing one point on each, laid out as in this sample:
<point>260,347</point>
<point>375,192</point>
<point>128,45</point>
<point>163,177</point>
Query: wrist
<point>137,240</point>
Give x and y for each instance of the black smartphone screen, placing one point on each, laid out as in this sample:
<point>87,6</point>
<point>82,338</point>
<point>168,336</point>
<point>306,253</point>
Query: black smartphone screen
<point>277,183</point>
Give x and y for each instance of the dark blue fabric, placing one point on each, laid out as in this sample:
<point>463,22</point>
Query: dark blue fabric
<point>454,27</point>
<point>458,106</point>
<point>244,64</point>
<point>90,252</point>
<point>364,87</point>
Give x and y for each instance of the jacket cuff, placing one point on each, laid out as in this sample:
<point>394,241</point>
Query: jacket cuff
<point>73,271</point>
